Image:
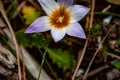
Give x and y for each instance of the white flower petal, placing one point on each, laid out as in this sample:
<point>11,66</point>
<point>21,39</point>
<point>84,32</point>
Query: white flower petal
<point>65,3</point>
<point>77,12</point>
<point>58,34</point>
<point>76,30</point>
<point>39,25</point>
<point>48,5</point>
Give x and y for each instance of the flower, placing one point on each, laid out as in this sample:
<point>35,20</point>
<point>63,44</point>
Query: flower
<point>62,18</point>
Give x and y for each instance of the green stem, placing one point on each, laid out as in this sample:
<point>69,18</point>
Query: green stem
<point>51,70</point>
<point>43,59</point>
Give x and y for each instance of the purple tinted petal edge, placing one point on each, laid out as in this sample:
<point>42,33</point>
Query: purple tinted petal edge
<point>76,30</point>
<point>39,25</point>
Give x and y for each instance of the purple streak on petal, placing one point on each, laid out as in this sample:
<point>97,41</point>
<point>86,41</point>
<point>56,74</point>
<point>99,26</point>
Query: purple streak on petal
<point>39,25</point>
<point>76,30</point>
<point>48,5</point>
<point>58,34</point>
<point>77,12</point>
<point>66,3</point>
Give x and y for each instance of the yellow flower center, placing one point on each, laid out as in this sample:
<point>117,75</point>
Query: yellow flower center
<point>60,18</point>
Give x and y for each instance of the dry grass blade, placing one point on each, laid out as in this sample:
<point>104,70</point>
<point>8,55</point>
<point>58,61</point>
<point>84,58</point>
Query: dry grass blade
<point>92,13</point>
<point>13,35</point>
<point>23,64</point>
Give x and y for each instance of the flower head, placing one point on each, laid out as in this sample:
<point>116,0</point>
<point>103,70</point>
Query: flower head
<point>62,18</point>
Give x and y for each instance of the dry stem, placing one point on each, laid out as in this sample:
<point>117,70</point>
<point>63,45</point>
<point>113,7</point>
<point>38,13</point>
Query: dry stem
<point>99,47</point>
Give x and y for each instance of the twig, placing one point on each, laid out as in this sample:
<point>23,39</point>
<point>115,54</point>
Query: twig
<point>106,9</point>
<point>83,52</point>
<point>80,59</point>
<point>99,47</point>
<point>95,71</point>
<point>14,38</point>
<point>113,55</point>
<point>100,69</point>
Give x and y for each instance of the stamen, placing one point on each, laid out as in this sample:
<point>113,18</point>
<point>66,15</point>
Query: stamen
<point>60,19</point>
